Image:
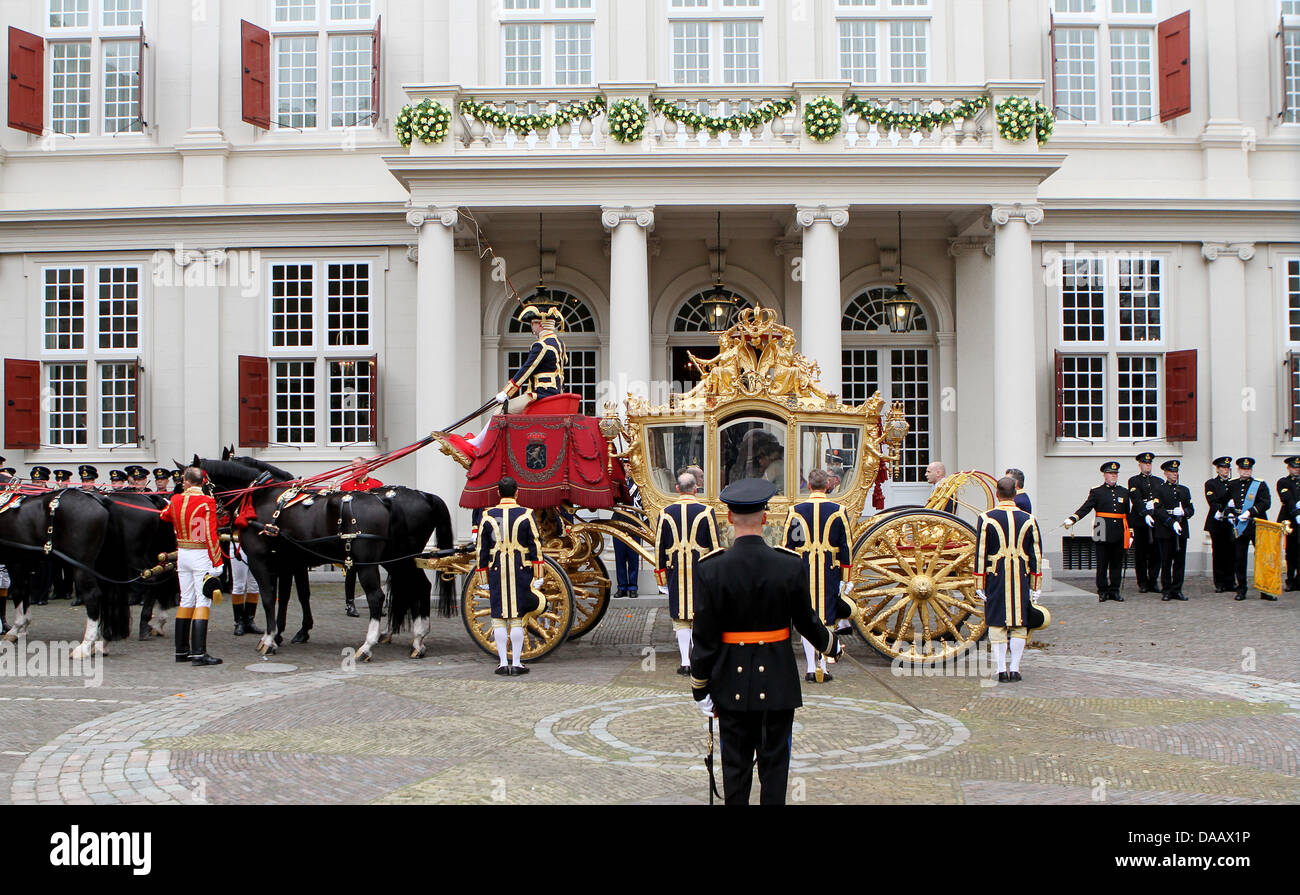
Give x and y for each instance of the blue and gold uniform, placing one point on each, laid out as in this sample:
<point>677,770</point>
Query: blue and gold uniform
<point>1248,498</point>
<point>818,530</point>
<point>1008,570</point>
<point>542,372</point>
<point>510,556</point>
<point>688,530</point>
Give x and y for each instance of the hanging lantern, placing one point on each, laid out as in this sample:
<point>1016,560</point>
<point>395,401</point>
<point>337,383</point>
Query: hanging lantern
<point>901,309</point>
<point>543,298</point>
<point>718,303</point>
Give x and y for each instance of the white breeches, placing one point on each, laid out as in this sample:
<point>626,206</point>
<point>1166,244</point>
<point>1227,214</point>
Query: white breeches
<point>192,567</point>
<point>243,579</point>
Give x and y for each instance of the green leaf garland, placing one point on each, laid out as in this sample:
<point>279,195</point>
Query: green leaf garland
<point>715,124</point>
<point>891,120</point>
<point>1020,116</point>
<point>527,124</point>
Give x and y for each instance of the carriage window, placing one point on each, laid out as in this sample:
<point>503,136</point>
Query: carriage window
<point>832,448</point>
<point>669,449</point>
<point>753,448</point>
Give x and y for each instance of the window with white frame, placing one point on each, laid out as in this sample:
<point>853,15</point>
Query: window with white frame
<point>884,41</point>
<point>547,42</point>
<point>322,63</point>
<point>716,41</point>
<point>581,342</point>
<point>91,326</point>
<point>94,66</point>
<point>1094,39</point>
<point>1291,388</point>
<point>1110,346</point>
<point>1289,40</point>
<point>322,364</point>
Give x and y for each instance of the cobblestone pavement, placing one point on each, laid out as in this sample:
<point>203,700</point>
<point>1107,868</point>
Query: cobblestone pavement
<point>1140,702</point>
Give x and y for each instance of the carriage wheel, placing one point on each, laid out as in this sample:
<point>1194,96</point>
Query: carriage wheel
<point>542,634</point>
<point>913,574</point>
<point>591,585</point>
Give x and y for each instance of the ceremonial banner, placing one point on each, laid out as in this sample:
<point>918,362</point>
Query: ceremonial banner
<point>1270,556</point>
<point>553,458</point>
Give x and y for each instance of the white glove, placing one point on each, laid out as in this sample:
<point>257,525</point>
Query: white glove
<point>1035,596</point>
<point>1151,523</point>
<point>217,570</point>
<point>1068,524</point>
<point>502,398</point>
<point>1177,511</point>
<point>846,587</point>
<point>980,594</point>
<point>1151,504</point>
<point>1218,517</point>
<point>1178,529</point>
<point>706,706</point>
<point>1245,514</point>
<point>1232,505</point>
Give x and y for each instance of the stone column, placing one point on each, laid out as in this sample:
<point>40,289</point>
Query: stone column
<point>947,395</point>
<point>1226,141</point>
<point>629,298</point>
<point>974,410</point>
<point>1229,417</point>
<point>203,148</point>
<point>436,401</point>
<point>202,341</point>
<point>821,309</point>
<point>788,250</point>
<point>1015,351</point>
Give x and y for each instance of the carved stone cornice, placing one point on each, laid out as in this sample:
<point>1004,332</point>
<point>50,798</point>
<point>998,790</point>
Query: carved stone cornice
<point>836,215</point>
<point>970,245</point>
<point>1213,251</point>
<point>1005,214</point>
<point>611,216</point>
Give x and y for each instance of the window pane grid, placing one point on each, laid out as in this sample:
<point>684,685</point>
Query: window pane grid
<point>690,52</point>
<point>291,306</point>
<point>295,10</point>
<point>1131,7</point>
<point>296,82</point>
<point>1083,300</point>
<point>858,59</point>
<point>122,87</point>
<point>1139,397</point>
<point>1076,5</point>
<point>860,371</point>
<point>123,13</point>
<point>117,404</point>
<point>1130,74</point>
<point>66,402</point>
<point>1293,298</point>
<point>350,77</point>
<point>908,52</point>
<point>348,310</point>
<point>1291,66</point>
<point>119,307</point>
<point>295,402</point>
<point>523,54</point>
<point>1076,72</point>
<point>350,412</point>
<point>573,54</point>
<point>69,13</point>
<point>70,88</point>
<point>349,10</point>
<point>1083,397</point>
<point>65,309</point>
<point>910,383</point>
<point>1139,300</point>
<point>740,57</point>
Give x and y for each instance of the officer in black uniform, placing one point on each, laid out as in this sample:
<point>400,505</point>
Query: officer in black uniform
<point>1110,531</point>
<point>1288,496</point>
<point>138,478</point>
<point>1146,552</point>
<point>742,667</point>
<point>1222,559</point>
<point>1173,509</point>
<point>1248,498</point>
<point>162,480</point>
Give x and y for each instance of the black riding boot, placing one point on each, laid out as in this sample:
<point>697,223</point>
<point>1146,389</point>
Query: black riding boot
<point>183,639</point>
<point>144,624</point>
<point>250,618</point>
<point>240,629</point>
<point>199,644</point>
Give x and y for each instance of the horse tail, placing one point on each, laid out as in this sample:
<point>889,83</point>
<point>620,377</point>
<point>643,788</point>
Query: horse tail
<point>443,537</point>
<point>114,611</point>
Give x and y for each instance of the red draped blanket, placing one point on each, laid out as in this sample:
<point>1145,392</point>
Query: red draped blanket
<point>553,458</point>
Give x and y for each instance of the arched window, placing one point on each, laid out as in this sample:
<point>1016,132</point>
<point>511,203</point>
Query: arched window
<point>581,340</point>
<point>693,317</point>
<point>898,365</point>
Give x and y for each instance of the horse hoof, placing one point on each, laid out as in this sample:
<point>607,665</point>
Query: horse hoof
<point>418,652</point>
<point>279,639</point>
<point>265,648</point>
<point>385,638</point>
<point>363,655</point>
<point>81,652</point>
<point>11,635</point>
<point>301,637</point>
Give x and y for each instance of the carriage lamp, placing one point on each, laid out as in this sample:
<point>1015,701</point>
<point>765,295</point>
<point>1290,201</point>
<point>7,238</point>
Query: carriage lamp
<point>718,304</point>
<point>895,429</point>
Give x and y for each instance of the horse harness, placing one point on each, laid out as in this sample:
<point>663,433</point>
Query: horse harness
<point>297,495</point>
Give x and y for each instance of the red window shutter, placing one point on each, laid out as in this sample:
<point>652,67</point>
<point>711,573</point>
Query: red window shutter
<point>1060,396</point>
<point>22,404</point>
<point>26,81</point>
<point>255,55</point>
<point>1180,396</point>
<point>374,71</point>
<point>1175,66</point>
<point>374,399</point>
<point>254,401</point>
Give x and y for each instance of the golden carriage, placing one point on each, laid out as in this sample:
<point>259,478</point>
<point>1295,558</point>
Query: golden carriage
<point>759,411</point>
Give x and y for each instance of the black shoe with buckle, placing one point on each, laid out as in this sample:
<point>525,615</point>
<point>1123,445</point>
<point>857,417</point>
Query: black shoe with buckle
<point>1117,598</point>
<point>503,670</point>
<point>810,677</point>
<point>683,669</point>
<point>1269,597</point>
<point>1015,677</point>
<point>351,609</point>
<point>1241,595</point>
<point>516,670</point>
<point>1003,677</point>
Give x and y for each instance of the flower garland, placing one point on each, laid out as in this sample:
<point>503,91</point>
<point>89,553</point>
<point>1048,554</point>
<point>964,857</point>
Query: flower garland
<point>891,120</point>
<point>526,124</point>
<point>1018,116</point>
<point>429,121</point>
<point>714,124</point>
<point>627,118</point>
<point>823,118</point>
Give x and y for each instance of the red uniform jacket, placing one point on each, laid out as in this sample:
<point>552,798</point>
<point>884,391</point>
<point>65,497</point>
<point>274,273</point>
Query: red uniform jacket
<point>194,515</point>
<point>361,484</point>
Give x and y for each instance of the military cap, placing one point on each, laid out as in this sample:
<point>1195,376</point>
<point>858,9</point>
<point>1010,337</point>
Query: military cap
<point>1246,463</point>
<point>748,495</point>
<point>1170,465</point>
<point>116,475</point>
<point>87,472</point>
<point>1146,457</point>
<point>40,474</point>
<point>1223,461</point>
<point>178,474</point>
<point>2,459</point>
<point>1110,466</point>
<point>162,472</point>
<point>63,475</point>
<point>137,472</point>
<point>1292,462</point>
<point>8,470</point>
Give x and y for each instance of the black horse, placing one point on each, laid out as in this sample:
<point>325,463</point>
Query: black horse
<point>137,536</point>
<point>73,524</point>
<point>415,517</point>
<point>283,531</point>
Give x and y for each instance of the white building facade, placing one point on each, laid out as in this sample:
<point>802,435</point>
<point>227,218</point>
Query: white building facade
<point>210,233</point>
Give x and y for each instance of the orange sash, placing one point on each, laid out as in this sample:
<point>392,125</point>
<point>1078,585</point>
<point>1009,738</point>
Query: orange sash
<point>759,637</point>
<point>1128,532</point>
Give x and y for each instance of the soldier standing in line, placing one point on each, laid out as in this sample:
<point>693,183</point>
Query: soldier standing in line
<point>1288,497</point>
<point>687,531</point>
<point>818,530</point>
<point>1222,559</point>
<point>1008,576</point>
<point>510,556</point>
<point>1248,498</point>
<point>1142,501</point>
<point>742,668</point>
<point>1110,531</point>
<point>137,479</point>
<point>1173,508</point>
<point>162,480</point>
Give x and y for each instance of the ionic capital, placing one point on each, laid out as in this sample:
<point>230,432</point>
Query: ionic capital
<point>1029,214</point>
<point>1213,251</point>
<point>836,215</point>
<point>611,216</point>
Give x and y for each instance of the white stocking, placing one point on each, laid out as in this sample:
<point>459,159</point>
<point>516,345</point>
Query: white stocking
<point>684,645</point>
<point>1017,650</point>
<point>1000,656</point>
<point>500,635</point>
<point>810,654</point>
<point>517,645</point>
